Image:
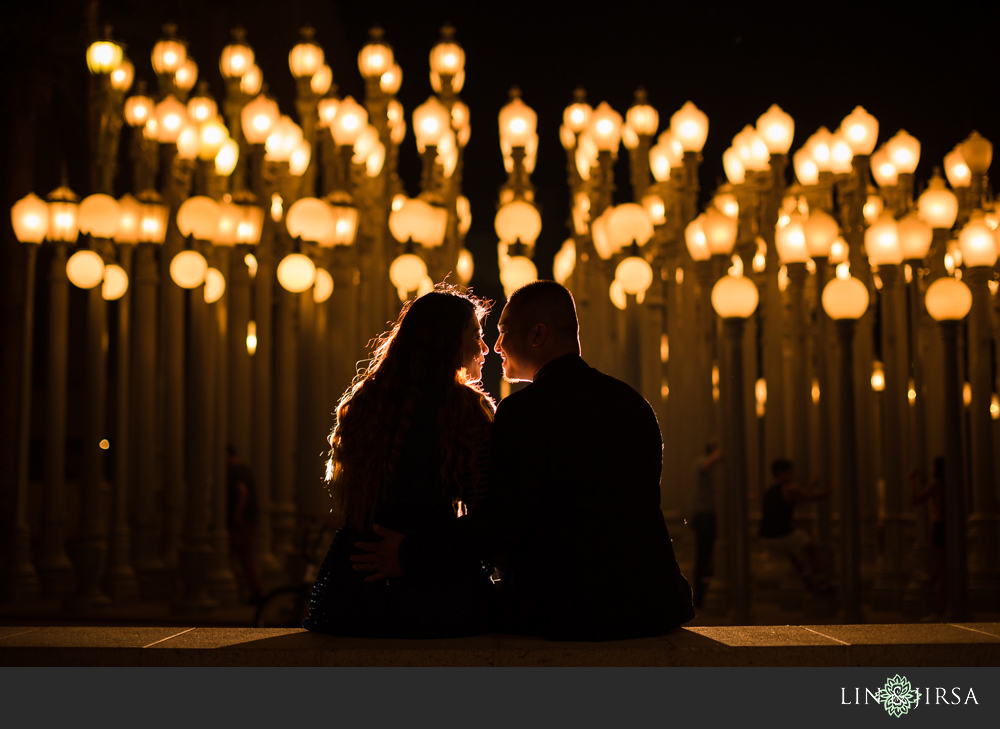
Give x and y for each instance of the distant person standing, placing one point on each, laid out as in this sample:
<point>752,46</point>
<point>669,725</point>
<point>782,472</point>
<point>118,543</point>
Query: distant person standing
<point>701,508</point>
<point>241,510</point>
<point>933,493</point>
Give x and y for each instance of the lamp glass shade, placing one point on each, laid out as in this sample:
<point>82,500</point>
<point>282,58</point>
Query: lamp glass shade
<point>752,149</point>
<point>251,223</point>
<point>138,109</point>
<point>212,135</point>
<point>955,167</point>
<point>198,216</point>
<point>629,137</point>
<point>447,59</point>
<point>186,76</point>
<point>296,273</point>
<point>374,60</point>
<point>327,109</point>
<point>345,225</point>
<point>99,216</point>
<point>64,226</point>
<point>914,237</point>
<point>629,222</point>
<point>129,216</point>
<point>976,240</point>
<point>564,261</point>
<point>85,269</point>
<point>733,165</point>
<point>171,118</point>
<point>777,128</point>
<point>349,123</point>
<point>258,119</point>
<point>617,295</point>
<point>463,210</point>
<point>790,241</point>
<point>873,207</point>
<point>153,218</point>
<point>518,271</point>
<point>806,169</point>
<point>694,237</point>
<point>322,80</point>
<point>659,162</point>
<point>720,231</point>
<point>860,131</point>
<point>104,56</point>
<point>605,128</point>
<point>252,81</point>
<point>323,287</point>
<point>227,157</point>
<point>818,146</point>
<point>845,298</point>
<point>188,269</point>
<point>430,122</point>
<point>168,55</point>
<point>882,241</point>
<point>398,132</point>
<point>230,215</point>
<point>820,230</point>
<point>311,219</point>
<point>30,219</point>
<point>518,220</point>
<point>407,271</point>
<point>188,141</point>
<point>305,59</point>
<point>734,297</point>
<point>655,208</point>
<point>904,151</point>
<point>841,155</point>
<point>599,234</point>
<point>948,299</point>
<point>465,266</point>
<point>284,137</point>
<point>518,122</point>
<point>635,275</point>
<point>202,108</point>
<point>364,144</point>
<point>123,76</point>
<point>726,202</point>
<point>938,205</point>
<point>643,119</point>
<point>883,170</point>
<point>151,130</point>
<point>419,221</point>
<point>391,80</point>
<point>978,153</point>
<point>215,285</point>
<point>115,282</point>
<point>236,59</point>
<point>298,162</point>
<point>689,125</point>
<point>576,117</point>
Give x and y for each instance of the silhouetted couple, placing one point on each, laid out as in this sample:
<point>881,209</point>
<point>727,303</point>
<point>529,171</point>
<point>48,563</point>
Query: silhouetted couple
<point>558,492</point>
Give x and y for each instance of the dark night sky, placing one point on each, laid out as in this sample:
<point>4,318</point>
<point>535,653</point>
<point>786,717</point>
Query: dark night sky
<point>932,72</point>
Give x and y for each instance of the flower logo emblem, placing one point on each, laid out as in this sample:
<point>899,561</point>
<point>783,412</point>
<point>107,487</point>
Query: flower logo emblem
<point>897,696</point>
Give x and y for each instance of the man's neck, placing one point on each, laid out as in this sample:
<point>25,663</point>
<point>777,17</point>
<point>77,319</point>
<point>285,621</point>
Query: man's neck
<point>559,354</point>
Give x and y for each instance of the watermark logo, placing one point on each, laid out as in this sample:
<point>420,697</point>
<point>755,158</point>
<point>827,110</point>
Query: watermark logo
<point>897,696</point>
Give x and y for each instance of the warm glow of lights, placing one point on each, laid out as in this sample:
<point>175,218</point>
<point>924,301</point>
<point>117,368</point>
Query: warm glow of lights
<point>911,392</point>
<point>85,269</point>
<point>957,171</point>
<point>104,444</point>
<point>878,376</point>
<point>215,285</point>
<point>967,394</point>
<point>815,391</point>
<point>995,407</point>
<point>104,57</point>
<point>251,337</point>
<point>664,348</point>
<point>251,261</point>
<point>296,272</point>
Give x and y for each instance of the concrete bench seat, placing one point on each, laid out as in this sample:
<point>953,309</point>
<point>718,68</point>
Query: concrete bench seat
<point>965,644</point>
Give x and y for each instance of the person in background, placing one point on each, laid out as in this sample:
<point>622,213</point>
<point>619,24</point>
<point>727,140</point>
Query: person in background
<point>701,508</point>
<point>241,509</point>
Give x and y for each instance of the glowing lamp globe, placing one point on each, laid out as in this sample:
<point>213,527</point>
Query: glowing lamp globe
<point>518,122</point>
<point>305,58</point>
<point>635,275</point>
<point>955,167</point>
<point>883,170</point>
<point>820,230</point>
<point>642,117</point>
<point>725,201</point>
<point>407,271</point>
<point>733,165</point>
<point>322,80</point>
<point>720,231</point>
<point>30,219</point>
<point>311,219</point>
<point>201,108</point>
<point>237,58</point>
<point>655,208</point>
<point>129,215</point>
<point>520,270</point>
<point>64,221</point>
<point>296,272</point>
<point>976,240</point>
<point>904,151</point>
<point>99,216</point>
<point>938,205</point>
<point>103,57</point>
<point>882,241</point>
<point>599,234</point>
<point>345,222</point>
<point>230,215</point>
<point>790,241</point>
<point>777,128</point>
<point>391,80</point>
<point>841,155</point>
<point>818,147</point>
<point>122,77</point>
<point>227,157</point>
<point>376,58</point>
<point>258,119</point>
<point>430,122</point>
<point>978,153</point>
<point>249,228</point>
<point>689,125</point>
<point>152,218</point>
<point>115,282</point>
<point>465,266</point>
<point>860,131</point>
<point>564,261</point>
<point>845,298</point>
<point>199,217</point>
<point>697,243</point>
<point>464,211</point>
<point>323,287</point>
<point>186,75</point>
<point>576,117</point>
<point>215,285</point>
<point>188,141</point>
<point>169,54</point>
<point>171,118</point>
<point>914,237</point>
<point>298,162</point>
<point>948,299</point>
<point>734,297</point>
<point>752,149</point>
<point>806,169</point>
<point>617,295</point>
<point>349,122</point>
<point>327,109</point>
<point>212,135</point>
<point>605,128</point>
<point>138,109</point>
<point>85,269</point>
<point>518,220</point>
<point>252,81</point>
<point>283,139</point>
<point>447,58</point>
<point>188,269</point>
<point>627,223</point>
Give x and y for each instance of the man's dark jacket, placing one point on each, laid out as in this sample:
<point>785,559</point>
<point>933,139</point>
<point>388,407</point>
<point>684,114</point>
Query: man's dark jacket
<point>575,504</point>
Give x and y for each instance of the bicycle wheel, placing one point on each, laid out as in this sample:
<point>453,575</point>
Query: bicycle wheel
<point>285,607</point>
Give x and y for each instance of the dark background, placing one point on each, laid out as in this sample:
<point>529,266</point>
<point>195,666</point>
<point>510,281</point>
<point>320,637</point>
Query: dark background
<point>933,72</point>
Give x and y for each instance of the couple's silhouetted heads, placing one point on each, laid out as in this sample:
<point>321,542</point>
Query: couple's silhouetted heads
<point>537,325</point>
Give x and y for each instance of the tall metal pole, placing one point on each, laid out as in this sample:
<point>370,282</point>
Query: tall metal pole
<point>736,456</point>
<point>850,506</point>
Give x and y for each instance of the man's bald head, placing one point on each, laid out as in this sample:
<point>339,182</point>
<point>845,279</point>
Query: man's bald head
<point>551,304</point>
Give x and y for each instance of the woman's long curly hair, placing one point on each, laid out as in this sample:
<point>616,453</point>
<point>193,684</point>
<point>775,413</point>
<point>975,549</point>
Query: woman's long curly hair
<point>420,357</point>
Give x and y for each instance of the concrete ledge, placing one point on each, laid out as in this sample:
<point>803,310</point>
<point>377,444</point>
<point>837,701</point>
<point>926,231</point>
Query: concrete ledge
<point>966,644</point>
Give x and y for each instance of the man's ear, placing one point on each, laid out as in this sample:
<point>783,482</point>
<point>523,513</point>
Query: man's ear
<point>539,335</point>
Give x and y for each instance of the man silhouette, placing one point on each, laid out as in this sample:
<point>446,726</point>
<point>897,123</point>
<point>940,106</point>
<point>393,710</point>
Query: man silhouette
<point>574,504</point>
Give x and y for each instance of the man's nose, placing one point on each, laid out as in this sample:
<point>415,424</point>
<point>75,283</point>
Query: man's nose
<point>498,346</point>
